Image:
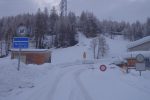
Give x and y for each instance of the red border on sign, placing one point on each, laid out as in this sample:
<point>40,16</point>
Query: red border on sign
<point>103,68</point>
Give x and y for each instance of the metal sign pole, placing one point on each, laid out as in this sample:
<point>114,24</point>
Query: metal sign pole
<point>1,48</point>
<point>140,73</point>
<point>19,43</point>
<point>19,59</point>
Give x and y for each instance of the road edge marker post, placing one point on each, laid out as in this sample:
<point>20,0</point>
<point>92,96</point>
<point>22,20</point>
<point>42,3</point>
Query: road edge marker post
<point>84,57</point>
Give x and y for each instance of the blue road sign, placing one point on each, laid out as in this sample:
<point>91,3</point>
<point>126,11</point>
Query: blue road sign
<point>21,39</point>
<point>20,42</point>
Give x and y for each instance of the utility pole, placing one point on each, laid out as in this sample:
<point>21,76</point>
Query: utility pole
<point>63,8</point>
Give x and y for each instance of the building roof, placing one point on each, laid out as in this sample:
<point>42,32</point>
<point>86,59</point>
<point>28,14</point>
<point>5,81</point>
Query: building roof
<point>31,50</point>
<point>138,42</point>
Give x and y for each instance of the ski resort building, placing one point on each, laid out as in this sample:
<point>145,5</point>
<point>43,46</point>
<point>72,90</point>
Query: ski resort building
<point>140,45</point>
<point>32,56</point>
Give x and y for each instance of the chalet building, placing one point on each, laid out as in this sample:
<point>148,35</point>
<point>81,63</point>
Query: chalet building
<point>140,45</point>
<point>32,56</point>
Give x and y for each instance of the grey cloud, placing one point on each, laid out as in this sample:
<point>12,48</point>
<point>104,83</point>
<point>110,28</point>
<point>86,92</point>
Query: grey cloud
<point>132,11</point>
<point>128,10</point>
<point>13,7</point>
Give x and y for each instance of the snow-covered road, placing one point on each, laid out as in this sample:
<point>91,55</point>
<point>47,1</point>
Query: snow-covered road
<point>80,82</point>
<point>61,83</point>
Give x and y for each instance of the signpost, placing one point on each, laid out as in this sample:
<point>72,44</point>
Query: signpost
<point>20,43</point>
<point>140,58</point>
<point>84,56</point>
<point>103,68</point>
<point>140,66</point>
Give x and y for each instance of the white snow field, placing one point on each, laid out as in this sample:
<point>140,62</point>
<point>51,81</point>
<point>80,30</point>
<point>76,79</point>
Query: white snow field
<point>67,78</point>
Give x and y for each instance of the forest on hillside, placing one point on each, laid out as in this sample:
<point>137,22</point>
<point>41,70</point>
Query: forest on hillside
<point>63,29</point>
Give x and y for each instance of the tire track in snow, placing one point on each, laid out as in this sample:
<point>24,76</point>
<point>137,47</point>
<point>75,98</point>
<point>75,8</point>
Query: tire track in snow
<point>73,73</point>
<point>81,86</point>
<point>71,95</point>
<point>68,70</point>
<point>47,91</point>
<point>55,84</point>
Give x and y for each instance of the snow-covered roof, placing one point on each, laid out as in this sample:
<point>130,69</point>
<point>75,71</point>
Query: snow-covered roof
<point>138,42</point>
<point>146,54</point>
<point>30,50</point>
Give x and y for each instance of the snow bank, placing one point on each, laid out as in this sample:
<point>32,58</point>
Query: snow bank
<point>29,50</point>
<point>11,78</point>
<point>113,84</point>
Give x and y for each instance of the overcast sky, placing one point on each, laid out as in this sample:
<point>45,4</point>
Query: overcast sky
<point>128,10</point>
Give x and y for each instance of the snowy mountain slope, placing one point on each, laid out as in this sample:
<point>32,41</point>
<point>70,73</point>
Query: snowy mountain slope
<point>117,46</point>
<point>67,78</point>
<point>72,54</point>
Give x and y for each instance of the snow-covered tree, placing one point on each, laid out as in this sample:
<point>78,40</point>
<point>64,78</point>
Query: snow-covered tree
<point>102,47</point>
<point>40,29</point>
<point>148,27</point>
<point>89,24</point>
<point>94,46</point>
<point>99,47</point>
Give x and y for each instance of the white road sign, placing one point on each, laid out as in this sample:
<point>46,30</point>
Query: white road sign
<point>140,67</point>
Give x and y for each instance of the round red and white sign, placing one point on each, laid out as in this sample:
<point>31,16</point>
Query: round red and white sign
<point>103,68</point>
